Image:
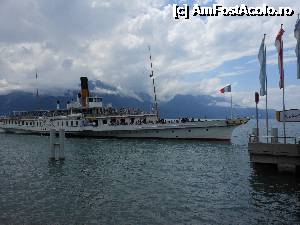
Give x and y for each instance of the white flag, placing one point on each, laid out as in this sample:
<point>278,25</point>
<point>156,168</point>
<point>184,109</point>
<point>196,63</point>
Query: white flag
<point>262,61</point>
<point>297,36</point>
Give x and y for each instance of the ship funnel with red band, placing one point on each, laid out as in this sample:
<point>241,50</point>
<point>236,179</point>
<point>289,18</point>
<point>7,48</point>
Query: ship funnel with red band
<point>84,91</point>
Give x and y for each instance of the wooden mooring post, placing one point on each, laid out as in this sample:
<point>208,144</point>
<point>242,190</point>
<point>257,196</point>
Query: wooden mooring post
<point>57,149</point>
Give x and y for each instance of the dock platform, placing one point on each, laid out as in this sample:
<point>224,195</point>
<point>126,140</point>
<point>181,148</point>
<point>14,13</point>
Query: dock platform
<point>285,156</point>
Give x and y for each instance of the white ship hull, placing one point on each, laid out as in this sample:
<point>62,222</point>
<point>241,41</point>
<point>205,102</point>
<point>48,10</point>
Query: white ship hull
<point>206,130</point>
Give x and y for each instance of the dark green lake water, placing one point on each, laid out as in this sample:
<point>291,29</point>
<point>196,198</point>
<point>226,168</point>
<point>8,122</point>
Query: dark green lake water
<point>111,181</point>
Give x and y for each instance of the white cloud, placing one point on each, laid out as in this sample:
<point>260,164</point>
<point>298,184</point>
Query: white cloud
<point>108,40</point>
<point>6,87</point>
<point>234,73</point>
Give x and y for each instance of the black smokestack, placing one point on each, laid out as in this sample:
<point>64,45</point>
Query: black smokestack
<point>84,90</point>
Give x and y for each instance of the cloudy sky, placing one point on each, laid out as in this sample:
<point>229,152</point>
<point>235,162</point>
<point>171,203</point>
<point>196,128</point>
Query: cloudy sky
<point>107,40</point>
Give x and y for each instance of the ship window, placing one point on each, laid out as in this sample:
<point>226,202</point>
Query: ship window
<point>15,122</point>
<point>72,123</point>
<point>90,99</point>
<point>172,131</point>
<point>104,121</point>
<point>30,123</point>
<point>67,123</point>
<point>76,123</point>
<point>62,123</point>
<point>206,129</point>
<point>157,131</point>
<point>190,131</point>
<point>22,122</point>
<point>26,123</point>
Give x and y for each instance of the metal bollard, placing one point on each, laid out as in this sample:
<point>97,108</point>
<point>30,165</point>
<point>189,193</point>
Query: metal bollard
<point>255,134</point>
<point>52,145</point>
<point>274,134</point>
<point>61,144</point>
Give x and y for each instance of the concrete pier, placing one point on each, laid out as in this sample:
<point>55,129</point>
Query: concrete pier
<point>285,156</point>
<point>57,148</point>
<point>52,145</point>
<point>61,155</point>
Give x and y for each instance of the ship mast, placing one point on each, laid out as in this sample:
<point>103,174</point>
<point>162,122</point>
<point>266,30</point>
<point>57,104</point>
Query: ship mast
<point>153,84</point>
<point>37,91</point>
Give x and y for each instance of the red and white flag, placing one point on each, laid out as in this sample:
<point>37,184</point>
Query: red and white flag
<point>226,89</point>
<point>279,47</point>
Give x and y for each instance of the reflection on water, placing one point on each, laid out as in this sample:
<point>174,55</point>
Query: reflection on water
<point>277,194</point>
<point>112,181</point>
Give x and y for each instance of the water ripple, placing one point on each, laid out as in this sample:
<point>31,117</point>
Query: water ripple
<point>116,181</point>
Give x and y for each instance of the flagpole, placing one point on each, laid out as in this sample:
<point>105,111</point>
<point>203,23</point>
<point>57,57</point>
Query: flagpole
<point>283,99</point>
<point>267,114</point>
<point>231,104</point>
<point>283,113</point>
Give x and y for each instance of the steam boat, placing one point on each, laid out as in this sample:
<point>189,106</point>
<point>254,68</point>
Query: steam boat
<point>88,117</point>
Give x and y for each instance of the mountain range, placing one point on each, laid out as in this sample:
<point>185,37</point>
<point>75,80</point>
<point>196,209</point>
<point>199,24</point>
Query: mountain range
<point>201,106</point>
